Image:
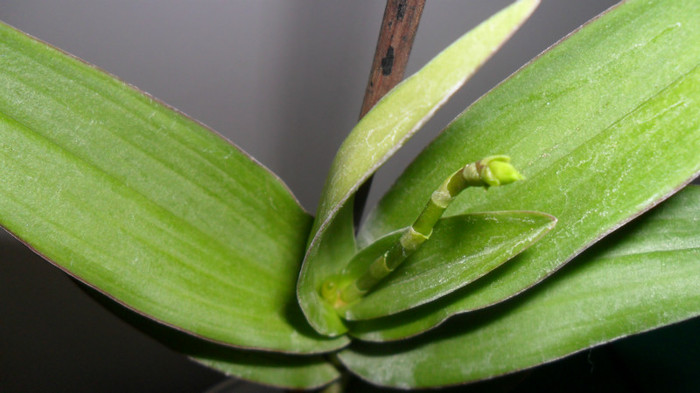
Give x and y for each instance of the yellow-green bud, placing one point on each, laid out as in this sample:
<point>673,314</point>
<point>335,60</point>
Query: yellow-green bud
<point>498,171</point>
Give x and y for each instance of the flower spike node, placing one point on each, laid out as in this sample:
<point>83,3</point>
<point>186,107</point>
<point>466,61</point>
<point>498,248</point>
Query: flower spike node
<point>489,172</point>
<point>496,171</point>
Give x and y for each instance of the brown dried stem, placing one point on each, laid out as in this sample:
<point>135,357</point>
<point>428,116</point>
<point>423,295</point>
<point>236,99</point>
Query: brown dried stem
<point>399,26</point>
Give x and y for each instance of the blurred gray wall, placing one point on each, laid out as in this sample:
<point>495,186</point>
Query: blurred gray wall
<point>282,79</point>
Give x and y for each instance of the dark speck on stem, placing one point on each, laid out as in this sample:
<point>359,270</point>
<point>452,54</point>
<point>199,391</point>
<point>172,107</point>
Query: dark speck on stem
<point>388,61</point>
<point>401,10</point>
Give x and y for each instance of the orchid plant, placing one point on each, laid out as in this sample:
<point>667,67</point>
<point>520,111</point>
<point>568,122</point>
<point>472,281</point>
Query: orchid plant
<point>199,245</point>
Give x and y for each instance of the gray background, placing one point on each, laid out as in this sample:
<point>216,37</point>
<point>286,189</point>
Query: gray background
<point>282,79</point>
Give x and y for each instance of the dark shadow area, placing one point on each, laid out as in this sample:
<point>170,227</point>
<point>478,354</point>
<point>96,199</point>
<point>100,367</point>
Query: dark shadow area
<point>54,338</point>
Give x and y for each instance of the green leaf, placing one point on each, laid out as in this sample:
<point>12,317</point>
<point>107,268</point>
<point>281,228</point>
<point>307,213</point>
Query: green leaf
<point>283,371</point>
<point>604,126</point>
<point>644,277</point>
<point>376,137</point>
<point>146,205</point>
<point>460,250</point>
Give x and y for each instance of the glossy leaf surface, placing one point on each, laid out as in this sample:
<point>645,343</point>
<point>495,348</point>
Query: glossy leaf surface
<point>644,277</point>
<point>376,137</point>
<point>461,249</point>
<point>146,205</point>
<point>604,125</point>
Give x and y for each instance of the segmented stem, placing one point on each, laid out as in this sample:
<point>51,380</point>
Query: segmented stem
<point>488,172</point>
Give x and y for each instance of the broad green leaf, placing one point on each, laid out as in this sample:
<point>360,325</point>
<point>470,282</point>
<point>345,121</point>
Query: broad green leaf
<point>376,137</point>
<point>460,250</point>
<point>644,277</point>
<point>604,125</point>
<point>281,370</point>
<point>146,205</point>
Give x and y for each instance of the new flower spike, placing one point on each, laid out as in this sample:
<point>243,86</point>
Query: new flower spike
<point>489,172</point>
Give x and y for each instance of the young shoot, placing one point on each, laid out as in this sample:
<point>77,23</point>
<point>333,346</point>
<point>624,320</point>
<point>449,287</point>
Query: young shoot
<point>488,172</point>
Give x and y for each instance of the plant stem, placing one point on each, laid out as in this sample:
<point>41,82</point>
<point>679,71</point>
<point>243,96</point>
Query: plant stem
<point>399,26</point>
